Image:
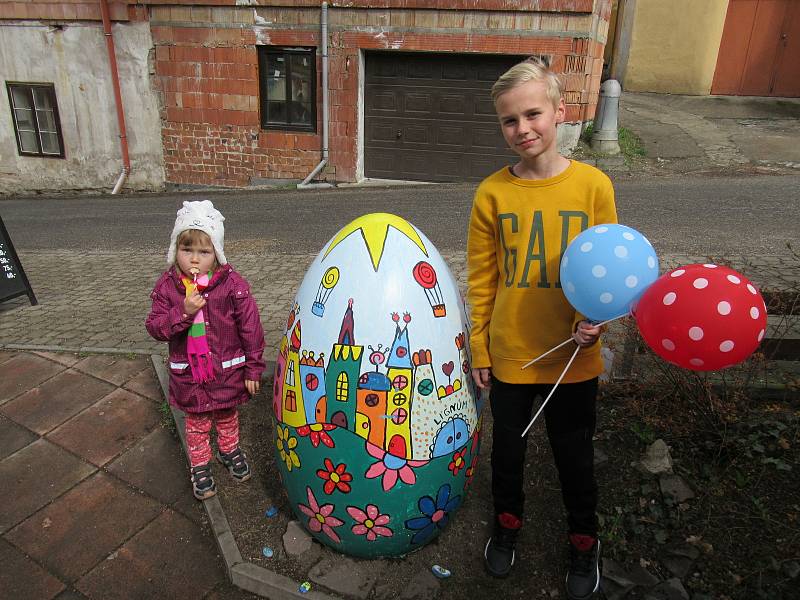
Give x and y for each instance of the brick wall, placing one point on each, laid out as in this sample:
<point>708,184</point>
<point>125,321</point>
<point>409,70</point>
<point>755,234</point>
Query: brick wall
<point>71,10</point>
<point>206,71</point>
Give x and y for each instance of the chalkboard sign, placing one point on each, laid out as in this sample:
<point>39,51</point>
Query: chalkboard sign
<point>13,281</point>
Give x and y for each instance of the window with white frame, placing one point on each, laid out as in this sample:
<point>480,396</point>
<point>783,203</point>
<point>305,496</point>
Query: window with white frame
<point>34,111</point>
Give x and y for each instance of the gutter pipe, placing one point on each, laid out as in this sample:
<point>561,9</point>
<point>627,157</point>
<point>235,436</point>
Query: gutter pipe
<point>112,59</point>
<point>305,183</point>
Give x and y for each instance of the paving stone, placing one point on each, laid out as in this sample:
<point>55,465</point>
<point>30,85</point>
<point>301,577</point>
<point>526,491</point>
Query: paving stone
<point>170,558</point>
<point>13,437</point>
<point>680,558</point>
<point>676,488</point>
<point>423,585</point>
<point>600,457</point>
<point>114,368</point>
<point>70,594</point>
<point>33,477</point>
<point>671,589</point>
<point>228,591</point>
<point>24,371</point>
<point>296,540</point>
<point>63,358</point>
<point>108,427</point>
<point>679,566</point>
<point>157,465</point>
<point>68,538</point>
<point>657,459</point>
<point>628,578</point>
<point>189,507</point>
<point>346,576</point>
<point>613,590</point>
<point>23,579</point>
<point>146,384</point>
<point>45,407</point>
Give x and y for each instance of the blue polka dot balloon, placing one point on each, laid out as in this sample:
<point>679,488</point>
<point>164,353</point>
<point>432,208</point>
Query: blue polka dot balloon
<point>605,269</point>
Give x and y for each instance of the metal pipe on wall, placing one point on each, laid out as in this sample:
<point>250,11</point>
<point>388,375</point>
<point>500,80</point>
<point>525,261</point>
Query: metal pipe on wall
<point>324,46</point>
<point>112,59</point>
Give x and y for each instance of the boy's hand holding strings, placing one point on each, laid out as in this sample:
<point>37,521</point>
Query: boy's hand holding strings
<point>586,333</point>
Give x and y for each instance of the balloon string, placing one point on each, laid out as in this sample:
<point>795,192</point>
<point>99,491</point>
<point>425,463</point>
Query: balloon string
<point>607,321</point>
<point>553,349</point>
<point>566,341</point>
<point>560,377</point>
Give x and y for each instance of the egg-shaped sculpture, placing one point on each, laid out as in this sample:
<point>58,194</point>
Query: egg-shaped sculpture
<point>376,417</point>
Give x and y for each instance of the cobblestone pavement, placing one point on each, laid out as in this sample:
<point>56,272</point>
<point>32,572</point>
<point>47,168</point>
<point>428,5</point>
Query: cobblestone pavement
<point>86,304</point>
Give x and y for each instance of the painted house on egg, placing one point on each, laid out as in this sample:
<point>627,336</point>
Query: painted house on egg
<point>402,411</point>
<point>341,377</point>
<point>401,375</point>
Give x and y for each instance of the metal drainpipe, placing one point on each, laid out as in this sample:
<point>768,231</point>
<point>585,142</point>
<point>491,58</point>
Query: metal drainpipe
<point>112,59</point>
<point>305,183</point>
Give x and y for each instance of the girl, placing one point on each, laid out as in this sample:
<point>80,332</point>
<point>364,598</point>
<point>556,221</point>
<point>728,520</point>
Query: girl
<point>204,309</point>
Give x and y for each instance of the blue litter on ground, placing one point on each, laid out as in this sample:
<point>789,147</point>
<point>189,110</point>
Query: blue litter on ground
<point>440,572</point>
<point>268,552</point>
<point>271,512</point>
<point>304,587</point>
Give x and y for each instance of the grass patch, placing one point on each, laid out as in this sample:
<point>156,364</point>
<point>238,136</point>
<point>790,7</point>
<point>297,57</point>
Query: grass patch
<point>630,146</point>
<point>166,418</point>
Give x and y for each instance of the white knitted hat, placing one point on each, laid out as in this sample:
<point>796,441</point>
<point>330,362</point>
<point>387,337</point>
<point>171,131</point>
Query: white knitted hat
<point>203,216</point>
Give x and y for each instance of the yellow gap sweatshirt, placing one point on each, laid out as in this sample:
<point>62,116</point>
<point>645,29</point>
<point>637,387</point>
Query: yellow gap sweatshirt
<point>518,232</point>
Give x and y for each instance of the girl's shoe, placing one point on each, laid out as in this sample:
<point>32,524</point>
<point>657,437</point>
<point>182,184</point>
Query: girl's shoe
<point>203,485</point>
<point>236,462</point>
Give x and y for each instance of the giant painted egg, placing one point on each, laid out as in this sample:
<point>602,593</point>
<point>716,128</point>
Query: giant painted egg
<point>377,429</point>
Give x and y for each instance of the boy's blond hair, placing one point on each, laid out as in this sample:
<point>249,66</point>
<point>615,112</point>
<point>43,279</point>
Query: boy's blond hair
<point>535,68</point>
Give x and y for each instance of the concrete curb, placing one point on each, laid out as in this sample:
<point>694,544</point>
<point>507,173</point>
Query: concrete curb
<point>243,574</point>
<point>74,349</point>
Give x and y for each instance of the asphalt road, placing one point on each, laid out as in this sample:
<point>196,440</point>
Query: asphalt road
<point>714,216</point>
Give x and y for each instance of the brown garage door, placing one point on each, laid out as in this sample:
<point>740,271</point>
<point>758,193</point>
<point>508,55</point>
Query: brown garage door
<point>429,117</point>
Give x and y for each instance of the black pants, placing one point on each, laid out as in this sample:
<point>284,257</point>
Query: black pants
<point>570,418</point>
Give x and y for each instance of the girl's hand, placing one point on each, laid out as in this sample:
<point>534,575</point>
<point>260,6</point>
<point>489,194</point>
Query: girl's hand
<point>252,386</point>
<point>586,334</point>
<point>482,378</point>
<point>193,303</point>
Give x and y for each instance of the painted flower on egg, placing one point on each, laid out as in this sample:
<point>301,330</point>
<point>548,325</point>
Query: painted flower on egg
<point>374,362</point>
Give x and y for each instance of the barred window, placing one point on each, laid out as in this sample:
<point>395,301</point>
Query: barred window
<point>342,387</point>
<point>288,81</point>
<point>35,114</point>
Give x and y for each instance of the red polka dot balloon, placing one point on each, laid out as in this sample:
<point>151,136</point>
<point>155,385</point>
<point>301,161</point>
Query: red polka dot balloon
<point>702,317</point>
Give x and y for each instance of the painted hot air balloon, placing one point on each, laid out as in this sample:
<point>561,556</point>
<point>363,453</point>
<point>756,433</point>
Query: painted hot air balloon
<point>326,285</point>
<point>425,276</point>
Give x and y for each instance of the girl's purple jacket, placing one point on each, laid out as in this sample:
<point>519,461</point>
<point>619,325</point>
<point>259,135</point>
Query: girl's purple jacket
<point>233,330</point>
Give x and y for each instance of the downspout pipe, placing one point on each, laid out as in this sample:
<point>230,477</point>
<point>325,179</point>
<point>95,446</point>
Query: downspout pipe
<point>305,183</point>
<point>112,59</point>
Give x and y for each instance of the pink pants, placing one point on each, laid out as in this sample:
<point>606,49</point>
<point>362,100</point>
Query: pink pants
<point>198,433</point>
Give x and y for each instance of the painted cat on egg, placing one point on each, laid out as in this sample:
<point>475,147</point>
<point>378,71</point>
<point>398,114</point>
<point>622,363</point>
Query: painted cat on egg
<point>377,422</point>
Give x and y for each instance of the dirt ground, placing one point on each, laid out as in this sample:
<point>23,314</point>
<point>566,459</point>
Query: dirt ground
<point>737,538</point>
<point>459,547</point>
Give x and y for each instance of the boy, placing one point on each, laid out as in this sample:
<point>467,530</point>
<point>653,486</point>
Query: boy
<point>523,217</point>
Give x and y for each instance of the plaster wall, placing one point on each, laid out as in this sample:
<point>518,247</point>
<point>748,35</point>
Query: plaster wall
<point>674,46</point>
<point>75,60</point>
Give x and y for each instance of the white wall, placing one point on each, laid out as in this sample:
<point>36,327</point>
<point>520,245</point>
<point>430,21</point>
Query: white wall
<point>75,61</point>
